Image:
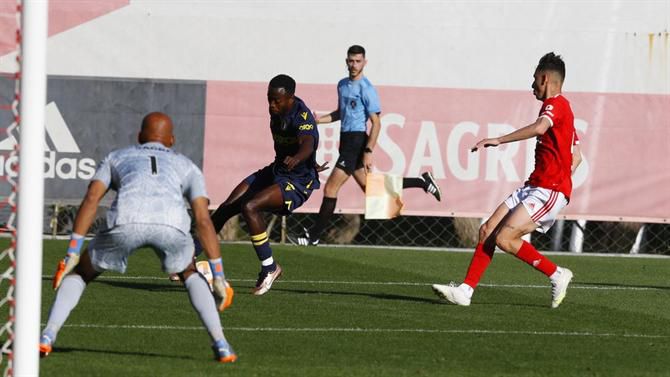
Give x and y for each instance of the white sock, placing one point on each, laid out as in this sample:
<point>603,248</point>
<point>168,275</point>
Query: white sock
<point>267,262</point>
<point>67,297</point>
<point>203,303</point>
<point>556,273</point>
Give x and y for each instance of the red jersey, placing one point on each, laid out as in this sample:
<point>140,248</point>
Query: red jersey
<point>553,151</point>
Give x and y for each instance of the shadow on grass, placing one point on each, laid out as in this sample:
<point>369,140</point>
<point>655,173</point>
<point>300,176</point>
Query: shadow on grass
<point>510,304</point>
<point>154,287</point>
<point>386,296</point>
<point>120,353</point>
<point>382,296</point>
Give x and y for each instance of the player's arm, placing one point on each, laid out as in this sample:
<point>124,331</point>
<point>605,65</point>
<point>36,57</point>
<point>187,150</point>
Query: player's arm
<point>89,207</point>
<point>375,128</point>
<point>305,149</point>
<point>372,105</point>
<point>82,223</point>
<point>576,157</point>
<point>210,244</point>
<point>537,128</point>
<point>333,116</point>
<point>205,228</point>
<point>372,140</point>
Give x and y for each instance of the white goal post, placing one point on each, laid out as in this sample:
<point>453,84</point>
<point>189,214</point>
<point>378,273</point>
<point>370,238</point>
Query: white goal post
<point>34,19</point>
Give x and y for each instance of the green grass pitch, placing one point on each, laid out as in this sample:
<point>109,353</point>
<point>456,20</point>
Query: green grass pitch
<point>371,312</point>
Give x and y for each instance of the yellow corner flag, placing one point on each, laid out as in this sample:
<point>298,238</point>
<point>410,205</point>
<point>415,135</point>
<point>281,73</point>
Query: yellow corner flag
<point>383,196</point>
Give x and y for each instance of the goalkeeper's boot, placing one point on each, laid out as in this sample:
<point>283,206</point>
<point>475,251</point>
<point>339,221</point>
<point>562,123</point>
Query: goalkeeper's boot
<point>45,345</point>
<point>431,186</point>
<point>303,240</point>
<point>452,293</point>
<point>559,286</point>
<point>223,352</point>
<point>265,280</point>
<point>65,266</point>
<point>220,285</point>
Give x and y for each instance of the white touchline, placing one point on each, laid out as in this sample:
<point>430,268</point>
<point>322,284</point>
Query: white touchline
<point>371,330</point>
<point>400,283</point>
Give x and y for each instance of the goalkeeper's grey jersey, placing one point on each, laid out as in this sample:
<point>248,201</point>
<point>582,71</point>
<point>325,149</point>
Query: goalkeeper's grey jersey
<point>151,182</point>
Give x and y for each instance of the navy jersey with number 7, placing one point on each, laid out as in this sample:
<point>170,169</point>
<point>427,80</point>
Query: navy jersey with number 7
<point>285,133</point>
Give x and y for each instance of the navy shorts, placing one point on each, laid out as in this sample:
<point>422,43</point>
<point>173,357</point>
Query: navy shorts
<point>352,147</point>
<point>295,189</point>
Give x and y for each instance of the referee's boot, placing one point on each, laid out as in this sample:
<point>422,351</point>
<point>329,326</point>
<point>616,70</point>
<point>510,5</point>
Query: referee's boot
<point>303,240</point>
<point>431,186</point>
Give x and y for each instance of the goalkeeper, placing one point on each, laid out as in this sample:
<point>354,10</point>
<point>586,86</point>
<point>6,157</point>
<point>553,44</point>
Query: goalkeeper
<point>151,182</point>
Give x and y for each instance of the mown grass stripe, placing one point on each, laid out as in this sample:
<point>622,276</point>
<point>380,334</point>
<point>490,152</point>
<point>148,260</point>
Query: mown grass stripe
<point>397,283</point>
<point>371,330</point>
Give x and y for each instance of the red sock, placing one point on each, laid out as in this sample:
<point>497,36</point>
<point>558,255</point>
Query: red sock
<point>530,255</point>
<point>480,261</point>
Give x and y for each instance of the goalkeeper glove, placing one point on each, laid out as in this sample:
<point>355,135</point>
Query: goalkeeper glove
<point>223,292</point>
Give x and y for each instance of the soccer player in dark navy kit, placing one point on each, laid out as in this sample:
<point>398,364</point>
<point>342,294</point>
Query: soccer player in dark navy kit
<point>282,186</point>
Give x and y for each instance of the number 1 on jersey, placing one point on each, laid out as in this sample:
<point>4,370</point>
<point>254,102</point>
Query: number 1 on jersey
<point>154,167</point>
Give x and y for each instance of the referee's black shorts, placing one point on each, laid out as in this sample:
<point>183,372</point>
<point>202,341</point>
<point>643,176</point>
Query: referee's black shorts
<point>352,146</point>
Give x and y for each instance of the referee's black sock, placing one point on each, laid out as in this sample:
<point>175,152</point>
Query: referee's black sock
<point>326,211</point>
<point>413,182</point>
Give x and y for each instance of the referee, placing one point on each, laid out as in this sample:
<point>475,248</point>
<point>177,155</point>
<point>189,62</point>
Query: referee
<point>358,102</point>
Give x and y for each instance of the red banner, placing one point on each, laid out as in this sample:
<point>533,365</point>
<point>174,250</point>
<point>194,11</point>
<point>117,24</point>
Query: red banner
<point>625,138</point>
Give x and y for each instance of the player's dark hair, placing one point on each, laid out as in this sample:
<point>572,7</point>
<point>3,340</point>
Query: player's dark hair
<point>552,62</point>
<point>283,82</point>
<point>355,50</point>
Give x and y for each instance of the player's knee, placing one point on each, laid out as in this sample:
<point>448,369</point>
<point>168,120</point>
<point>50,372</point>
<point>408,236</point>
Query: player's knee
<point>503,241</point>
<point>249,208</point>
<point>85,270</point>
<point>190,270</point>
<point>331,190</point>
<point>487,233</point>
<point>484,232</point>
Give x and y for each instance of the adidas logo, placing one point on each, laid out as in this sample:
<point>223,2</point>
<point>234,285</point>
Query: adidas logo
<point>62,141</point>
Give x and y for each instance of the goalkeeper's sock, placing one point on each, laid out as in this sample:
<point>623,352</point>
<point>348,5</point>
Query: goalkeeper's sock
<point>261,243</point>
<point>325,212</point>
<point>67,297</point>
<point>530,255</point>
<point>202,301</point>
<point>479,263</point>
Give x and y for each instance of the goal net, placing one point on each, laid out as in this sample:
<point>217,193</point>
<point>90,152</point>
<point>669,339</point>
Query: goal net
<point>9,119</point>
<point>22,104</point>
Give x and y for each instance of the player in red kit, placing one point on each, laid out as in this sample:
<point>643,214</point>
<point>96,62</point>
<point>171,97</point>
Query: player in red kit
<point>535,205</point>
